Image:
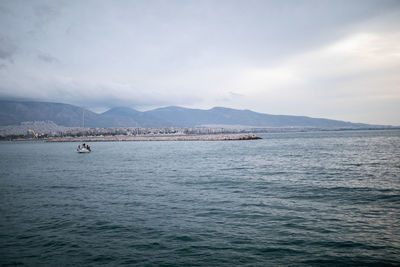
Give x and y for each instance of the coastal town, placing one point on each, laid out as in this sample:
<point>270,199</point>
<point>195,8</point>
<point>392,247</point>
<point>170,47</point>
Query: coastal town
<point>51,132</point>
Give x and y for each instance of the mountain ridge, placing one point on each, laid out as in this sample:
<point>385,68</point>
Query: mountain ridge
<point>15,112</point>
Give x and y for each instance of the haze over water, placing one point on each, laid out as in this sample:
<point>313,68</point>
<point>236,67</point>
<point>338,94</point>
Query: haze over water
<point>314,198</point>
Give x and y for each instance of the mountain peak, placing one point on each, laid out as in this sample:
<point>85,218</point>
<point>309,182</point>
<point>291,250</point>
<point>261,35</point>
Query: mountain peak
<point>171,109</point>
<point>13,113</point>
<point>121,111</point>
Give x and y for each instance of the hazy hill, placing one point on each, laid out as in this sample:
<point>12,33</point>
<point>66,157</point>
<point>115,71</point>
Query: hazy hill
<point>180,117</point>
<point>226,116</point>
<point>127,117</point>
<point>15,112</point>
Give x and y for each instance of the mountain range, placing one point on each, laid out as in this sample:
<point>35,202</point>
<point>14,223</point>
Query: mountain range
<point>15,112</point>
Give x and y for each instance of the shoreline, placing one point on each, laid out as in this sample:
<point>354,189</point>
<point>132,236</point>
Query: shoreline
<point>125,138</point>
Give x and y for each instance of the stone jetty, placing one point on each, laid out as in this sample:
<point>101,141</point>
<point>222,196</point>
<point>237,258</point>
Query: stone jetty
<point>120,138</point>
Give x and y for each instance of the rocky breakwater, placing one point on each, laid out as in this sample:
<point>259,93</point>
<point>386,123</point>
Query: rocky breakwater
<point>120,138</point>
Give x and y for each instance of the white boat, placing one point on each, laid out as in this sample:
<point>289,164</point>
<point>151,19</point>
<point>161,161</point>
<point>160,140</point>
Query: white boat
<point>83,150</point>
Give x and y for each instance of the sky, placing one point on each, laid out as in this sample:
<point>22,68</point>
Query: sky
<point>326,59</point>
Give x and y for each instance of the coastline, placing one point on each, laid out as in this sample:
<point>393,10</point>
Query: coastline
<point>124,138</point>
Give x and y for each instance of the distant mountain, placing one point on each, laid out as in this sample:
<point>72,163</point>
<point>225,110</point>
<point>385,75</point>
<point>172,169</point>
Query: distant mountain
<point>180,117</point>
<point>227,116</point>
<point>128,117</point>
<point>15,112</point>
<point>122,111</point>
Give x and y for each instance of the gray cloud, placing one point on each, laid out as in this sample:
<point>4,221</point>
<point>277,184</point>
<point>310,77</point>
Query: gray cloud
<point>46,13</point>
<point>270,56</point>
<point>47,58</point>
<point>7,48</point>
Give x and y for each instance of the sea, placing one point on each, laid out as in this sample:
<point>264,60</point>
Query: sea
<point>291,199</point>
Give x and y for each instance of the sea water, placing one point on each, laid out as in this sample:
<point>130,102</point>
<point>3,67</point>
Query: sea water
<point>315,198</point>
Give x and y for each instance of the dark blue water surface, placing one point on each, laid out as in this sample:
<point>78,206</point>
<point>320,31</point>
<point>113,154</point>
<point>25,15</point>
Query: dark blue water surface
<point>320,198</point>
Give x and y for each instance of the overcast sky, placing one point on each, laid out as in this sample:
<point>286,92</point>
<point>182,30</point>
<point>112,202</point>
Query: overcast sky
<point>331,59</point>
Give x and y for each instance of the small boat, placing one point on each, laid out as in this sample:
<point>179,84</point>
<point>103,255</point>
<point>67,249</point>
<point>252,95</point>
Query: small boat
<point>83,150</point>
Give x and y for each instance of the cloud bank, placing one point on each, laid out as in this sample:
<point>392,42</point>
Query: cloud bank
<point>337,60</point>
